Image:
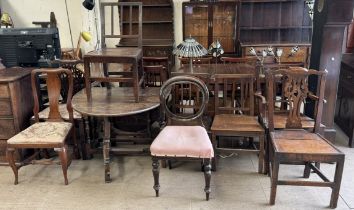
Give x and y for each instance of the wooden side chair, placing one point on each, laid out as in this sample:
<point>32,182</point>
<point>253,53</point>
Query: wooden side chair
<point>184,137</point>
<point>234,113</point>
<point>295,145</point>
<point>156,70</point>
<point>52,133</point>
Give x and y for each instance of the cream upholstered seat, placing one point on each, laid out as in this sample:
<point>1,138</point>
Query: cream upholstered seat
<point>52,134</point>
<point>183,141</point>
<point>42,133</point>
<point>183,138</point>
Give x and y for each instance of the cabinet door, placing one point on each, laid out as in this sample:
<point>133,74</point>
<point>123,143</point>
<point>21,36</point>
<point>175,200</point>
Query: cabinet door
<point>224,25</point>
<point>196,22</point>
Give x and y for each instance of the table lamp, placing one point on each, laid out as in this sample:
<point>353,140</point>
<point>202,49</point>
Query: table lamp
<point>190,48</point>
<point>6,20</point>
<point>86,36</point>
<point>216,50</point>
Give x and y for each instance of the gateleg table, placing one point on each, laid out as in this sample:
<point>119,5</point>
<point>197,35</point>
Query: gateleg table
<point>115,102</point>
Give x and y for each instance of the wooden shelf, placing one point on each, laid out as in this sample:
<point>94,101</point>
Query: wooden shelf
<point>150,22</point>
<point>275,27</point>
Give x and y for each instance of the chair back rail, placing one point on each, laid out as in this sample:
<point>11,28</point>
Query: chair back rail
<point>110,10</point>
<point>155,75</point>
<point>53,81</point>
<point>184,99</point>
<point>234,93</point>
<point>295,93</point>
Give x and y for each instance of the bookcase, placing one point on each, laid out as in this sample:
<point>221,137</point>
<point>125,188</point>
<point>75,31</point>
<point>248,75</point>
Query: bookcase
<point>157,27</point>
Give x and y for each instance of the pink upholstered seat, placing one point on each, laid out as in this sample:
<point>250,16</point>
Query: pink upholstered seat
<point>183,141</point>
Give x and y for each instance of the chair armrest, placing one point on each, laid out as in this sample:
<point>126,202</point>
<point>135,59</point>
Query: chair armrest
<point>315,98</point>
<point>261,97</point>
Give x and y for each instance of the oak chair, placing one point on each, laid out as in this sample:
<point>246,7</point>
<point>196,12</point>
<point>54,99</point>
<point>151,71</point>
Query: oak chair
<point>156,71</point>
<point>184,137</point>
<point>234,113</point>
<point>294,144</point>
<point>52,133</point>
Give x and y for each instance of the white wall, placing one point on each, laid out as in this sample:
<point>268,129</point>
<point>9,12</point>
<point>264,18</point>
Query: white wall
<point>23,12</point>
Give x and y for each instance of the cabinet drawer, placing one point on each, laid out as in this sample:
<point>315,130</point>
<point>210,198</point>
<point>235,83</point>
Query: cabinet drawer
<point>5,108</point>
<point>4,91</point>
<point>7,128</point>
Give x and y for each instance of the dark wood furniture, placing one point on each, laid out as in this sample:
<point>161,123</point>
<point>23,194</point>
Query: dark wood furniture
<point>326,52</point>
<point>294,145</point>
<point>195,61</point>
<point>156,70</point>
<point>157,27</point>
<point>275,22</point>
<point>127,55</point>
<point>249,60</point>
<point>179,139</point>
<point>115,102</point>
<point>211,21</point>
<point>344,116</point>
<point>16,104</point>
<point>234,114</point>
<point>52,133</point>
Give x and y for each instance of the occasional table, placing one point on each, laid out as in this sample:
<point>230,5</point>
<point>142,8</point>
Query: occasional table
<point>114,102</point>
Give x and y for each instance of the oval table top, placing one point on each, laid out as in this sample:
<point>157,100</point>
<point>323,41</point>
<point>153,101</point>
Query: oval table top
<point>115,102</point>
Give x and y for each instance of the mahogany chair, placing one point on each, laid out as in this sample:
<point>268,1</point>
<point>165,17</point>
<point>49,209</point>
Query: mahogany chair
<point>234,113</point>
<point>156,70</point>
<point>296,145</point>
<point>184,137</point>
<point>52,133</point>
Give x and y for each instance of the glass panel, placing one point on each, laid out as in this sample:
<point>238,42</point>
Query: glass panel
<point>224,18</point>
<point>196,23</point>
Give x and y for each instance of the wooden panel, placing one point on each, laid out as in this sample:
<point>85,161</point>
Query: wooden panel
<point>5,108</point>
<point>7,128</point>
<point>4,91</point>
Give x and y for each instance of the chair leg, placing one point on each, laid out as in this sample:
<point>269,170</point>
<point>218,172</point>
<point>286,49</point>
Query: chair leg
<point>10,155</point>
<point>63,155</point>
<point>214,142</point>
<point>155,172</point>
<point>261,154</point>
<point>207,176</point>
<point>274,180</point>
<point>307,170</point>
<point>169,162</point>
<point>337,183</point>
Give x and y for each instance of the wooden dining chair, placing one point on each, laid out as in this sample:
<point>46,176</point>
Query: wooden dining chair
<point>53,133</point>
<point>156,70</point>
<point>294,144</point>
<point>184,137</point>
<point>234,114</point>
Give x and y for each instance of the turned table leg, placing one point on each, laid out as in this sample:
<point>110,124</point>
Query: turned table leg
<point>106,149</point>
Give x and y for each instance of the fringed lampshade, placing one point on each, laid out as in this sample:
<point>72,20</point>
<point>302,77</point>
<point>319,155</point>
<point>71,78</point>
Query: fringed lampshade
<point>190,48</point>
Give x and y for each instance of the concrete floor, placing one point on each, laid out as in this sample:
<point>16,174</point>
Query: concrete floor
<point>236,185</point>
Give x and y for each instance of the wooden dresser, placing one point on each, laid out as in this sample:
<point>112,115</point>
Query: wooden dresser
<point>344,115</point>
<point>16,104</point>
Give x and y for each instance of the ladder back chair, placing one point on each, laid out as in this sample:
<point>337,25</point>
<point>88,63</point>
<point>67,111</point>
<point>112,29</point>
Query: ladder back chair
<point>234,113</point>
<point>53,133</point>
<point>156,70</point>
<point>127,52</point>
<point>295,145</point>
<point>184,137</point>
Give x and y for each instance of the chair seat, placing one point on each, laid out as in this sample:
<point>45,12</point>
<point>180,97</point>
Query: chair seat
<point>63,112</point>
<point>293,141</point>
<point>182,141</point>
<point>42,133</point>
<point>236,123</point>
